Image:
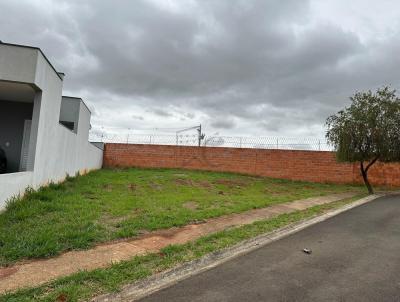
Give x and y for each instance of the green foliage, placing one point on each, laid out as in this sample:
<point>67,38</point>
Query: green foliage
<point>369,129</point>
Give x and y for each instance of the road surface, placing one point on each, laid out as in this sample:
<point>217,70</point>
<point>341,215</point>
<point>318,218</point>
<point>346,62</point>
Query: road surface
<point>355,257</point>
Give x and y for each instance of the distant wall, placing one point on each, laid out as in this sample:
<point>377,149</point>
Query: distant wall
<point>314,166</point>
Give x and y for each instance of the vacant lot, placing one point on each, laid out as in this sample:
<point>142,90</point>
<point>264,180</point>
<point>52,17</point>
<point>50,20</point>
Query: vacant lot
<point>110,204</point>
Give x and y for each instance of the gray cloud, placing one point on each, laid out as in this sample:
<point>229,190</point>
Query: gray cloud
<point>160,112</point>
<point>266,67</point>
<point>138,117</point>
<point>223,124</point>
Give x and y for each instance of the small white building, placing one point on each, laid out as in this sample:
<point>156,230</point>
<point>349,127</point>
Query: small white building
<point>43,134</point>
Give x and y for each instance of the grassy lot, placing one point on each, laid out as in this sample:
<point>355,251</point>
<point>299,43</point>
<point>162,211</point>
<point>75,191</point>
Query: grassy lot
<point>111,204</point>
<point>84,285</point>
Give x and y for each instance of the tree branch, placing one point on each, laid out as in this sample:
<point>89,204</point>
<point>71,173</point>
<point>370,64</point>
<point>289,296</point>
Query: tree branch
<point>371,163</point>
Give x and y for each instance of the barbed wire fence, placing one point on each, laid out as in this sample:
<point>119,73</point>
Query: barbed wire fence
<point>190,139</point>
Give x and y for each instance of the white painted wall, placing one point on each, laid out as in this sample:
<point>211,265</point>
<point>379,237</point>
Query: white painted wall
<point>14,184</point>
<point>59,151</point>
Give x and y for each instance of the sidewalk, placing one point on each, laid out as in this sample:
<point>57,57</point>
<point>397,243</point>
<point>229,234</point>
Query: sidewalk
<point>38,272</point>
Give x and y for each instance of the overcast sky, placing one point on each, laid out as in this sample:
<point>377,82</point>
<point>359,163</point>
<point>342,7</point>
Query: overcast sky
<point>271,68</point>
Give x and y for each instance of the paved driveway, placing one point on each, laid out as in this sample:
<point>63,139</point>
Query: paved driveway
<point>355,257</point>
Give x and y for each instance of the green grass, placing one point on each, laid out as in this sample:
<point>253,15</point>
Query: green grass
<point>84,285</point>
<point>110,204</point>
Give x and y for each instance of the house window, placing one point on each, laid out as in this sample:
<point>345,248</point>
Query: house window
<point>69,113</point>
<point>69,125</point>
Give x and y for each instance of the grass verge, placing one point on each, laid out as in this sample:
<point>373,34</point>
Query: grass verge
<point>110,204</point>
<point>85,285</point>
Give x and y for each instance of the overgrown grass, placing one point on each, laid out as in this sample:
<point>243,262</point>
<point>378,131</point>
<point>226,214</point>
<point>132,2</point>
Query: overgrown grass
<point>110,204</point>
<point>84,285</point>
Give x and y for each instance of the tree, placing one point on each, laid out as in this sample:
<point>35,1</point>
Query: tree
<point>367,131</point>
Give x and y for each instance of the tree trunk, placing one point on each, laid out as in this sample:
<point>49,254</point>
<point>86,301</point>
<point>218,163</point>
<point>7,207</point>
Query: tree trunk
<point>364,173</point>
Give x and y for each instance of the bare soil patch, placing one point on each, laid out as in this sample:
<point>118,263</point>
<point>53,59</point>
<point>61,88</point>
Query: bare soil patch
<point>132,187</point>
<point>193,183</point>
<point>89,195</point>
<point>180,175</point>
<point>108,187</point>
<point>155,186</point>
<point>62,298</point>
<point>191,205</point>
<point>8,271</point>
<point>232,183</point>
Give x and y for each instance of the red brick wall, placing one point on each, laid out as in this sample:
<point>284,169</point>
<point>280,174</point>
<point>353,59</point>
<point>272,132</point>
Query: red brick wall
<point>316,166</point>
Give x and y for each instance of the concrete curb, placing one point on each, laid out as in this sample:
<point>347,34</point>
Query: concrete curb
<point>170,277</point>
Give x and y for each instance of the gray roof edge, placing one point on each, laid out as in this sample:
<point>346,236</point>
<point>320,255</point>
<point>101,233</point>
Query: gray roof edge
<point>36,48</point>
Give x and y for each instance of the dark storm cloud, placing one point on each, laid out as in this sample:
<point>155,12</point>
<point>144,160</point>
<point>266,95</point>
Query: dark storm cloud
<point>261,66</point>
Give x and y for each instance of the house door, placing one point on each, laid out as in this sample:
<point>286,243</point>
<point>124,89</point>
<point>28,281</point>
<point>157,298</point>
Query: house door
<point>23,164</point>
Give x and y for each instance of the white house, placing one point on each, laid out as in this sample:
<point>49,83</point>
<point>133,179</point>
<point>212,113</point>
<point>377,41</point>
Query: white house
<point>43,134</point>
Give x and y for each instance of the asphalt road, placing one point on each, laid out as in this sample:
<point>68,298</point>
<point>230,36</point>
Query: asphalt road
<point>355,257</point>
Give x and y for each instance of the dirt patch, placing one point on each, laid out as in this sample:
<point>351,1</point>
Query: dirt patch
<point>166,234</point>
<point>89,195</point>
<point>143,232</point>
<point>193,183</point>
<point>132,187</point>
<point>197,221</point>
<point>107,187</point>
<point>232,183</point>
<point>228,203</point>
<point>180,175</point>
<point>191,205</point>
<point>204,184</point>
<point>62,298</point>
<point>307,187</point>
<point>111,223</point>
<point>137,211</point>
<point>275,190</point>
<point>273,193</point>
<point>115,221</point>
<point>8,271</point>
<point>184,182</point>
<point>155,186</point>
